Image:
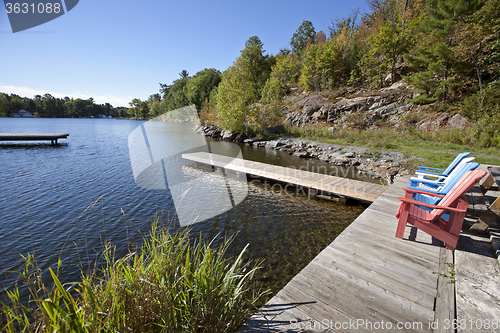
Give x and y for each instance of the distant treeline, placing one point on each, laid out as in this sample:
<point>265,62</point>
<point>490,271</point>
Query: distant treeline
<point>187,90</point>
<point>52,107</point>
<point>448,50</point>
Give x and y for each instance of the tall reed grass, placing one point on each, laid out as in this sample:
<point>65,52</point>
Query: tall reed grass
<point>171,285</point>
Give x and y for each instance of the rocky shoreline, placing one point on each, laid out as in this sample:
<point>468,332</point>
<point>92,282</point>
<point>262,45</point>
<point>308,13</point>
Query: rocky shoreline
<point>382,165</point>
<point>351,108</point>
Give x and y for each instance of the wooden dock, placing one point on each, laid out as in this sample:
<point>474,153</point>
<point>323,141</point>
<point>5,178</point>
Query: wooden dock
<point>341,186</point>
<point>367,280</point>
<point>53,137</point>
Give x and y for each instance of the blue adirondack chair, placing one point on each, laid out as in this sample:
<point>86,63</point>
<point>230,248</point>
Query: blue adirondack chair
<point>439,173</point>
<point>434,189</point>
<point>434,184</point>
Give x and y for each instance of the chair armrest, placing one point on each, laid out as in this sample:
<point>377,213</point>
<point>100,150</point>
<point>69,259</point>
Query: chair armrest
<point>427,173</point>
<point>419,190</point>
<point>424,204</point>
<point>422,168</point>
<point>426,181</point>
<point>430,185</point>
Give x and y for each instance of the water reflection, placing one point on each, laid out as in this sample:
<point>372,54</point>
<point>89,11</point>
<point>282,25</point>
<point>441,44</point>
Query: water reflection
<point>46,189</point>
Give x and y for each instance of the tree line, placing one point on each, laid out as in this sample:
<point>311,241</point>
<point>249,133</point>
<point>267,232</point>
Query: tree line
<point>51,107</point>
<point>448,50</point>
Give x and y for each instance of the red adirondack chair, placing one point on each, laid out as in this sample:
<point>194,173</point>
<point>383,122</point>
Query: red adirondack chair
<point>431,222</point>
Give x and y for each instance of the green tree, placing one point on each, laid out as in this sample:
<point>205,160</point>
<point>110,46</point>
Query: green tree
<point>176,95</point>
<point>390,43</point>
<point>200,86</point>
<point>435,54</point>
<point>326,65</point>
<point>255,64</point>
<point>5,108</point>
<point>140,109</point>
<point>478,40</point>
<point>284,74</point>
<point>483,109</point>
<point>304,35</point>
<point>242,85</point>
<point>311,73</point>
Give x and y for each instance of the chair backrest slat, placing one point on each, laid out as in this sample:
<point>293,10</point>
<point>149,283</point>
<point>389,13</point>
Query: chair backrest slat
<point>455,162</point>
<point>460,188</point>
<point>457,174</point>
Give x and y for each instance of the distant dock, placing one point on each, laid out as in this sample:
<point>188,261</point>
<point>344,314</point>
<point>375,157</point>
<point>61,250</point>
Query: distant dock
<point>53,137</point>
<point>331,184</point>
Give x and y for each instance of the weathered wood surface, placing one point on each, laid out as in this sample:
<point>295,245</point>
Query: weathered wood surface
<point>32,136</point>
<point>332,184</point>
<point>475,197</point>
<point>445,300</point>
<point>495,174</point>
<point>366,280</point>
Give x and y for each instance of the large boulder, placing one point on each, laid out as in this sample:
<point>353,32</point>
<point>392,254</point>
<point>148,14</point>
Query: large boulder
<point>457,121</point>
<point>274,144</point>
<point>313,100</point>
<point>198,129</point>
<point>240,137</point>
<point>302,153</point>
<point>276,129</point>
<point>228,136</point>
<point>435,124</point>
<point>216,133</point>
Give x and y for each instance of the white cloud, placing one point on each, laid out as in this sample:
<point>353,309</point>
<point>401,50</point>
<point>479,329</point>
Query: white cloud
<point>99,99</point>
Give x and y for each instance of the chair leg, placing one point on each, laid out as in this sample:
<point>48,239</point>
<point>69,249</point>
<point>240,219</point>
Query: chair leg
<point>451,246</point>
<point>403,217</point>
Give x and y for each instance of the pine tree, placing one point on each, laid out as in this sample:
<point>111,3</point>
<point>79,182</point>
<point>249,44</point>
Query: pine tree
<point>304,35</point>
<point>435,54</point>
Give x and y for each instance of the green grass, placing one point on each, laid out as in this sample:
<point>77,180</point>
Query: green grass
<point>171,285</point>
<point>437,148</point>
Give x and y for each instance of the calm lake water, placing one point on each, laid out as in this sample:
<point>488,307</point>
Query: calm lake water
<point>67,200</point>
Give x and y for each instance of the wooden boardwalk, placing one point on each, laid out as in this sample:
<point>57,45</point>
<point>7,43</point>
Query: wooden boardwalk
<point>326,183</point>
<point>367,280</point>
<point>53,137</point>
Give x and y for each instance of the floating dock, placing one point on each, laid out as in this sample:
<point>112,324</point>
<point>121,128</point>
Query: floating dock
<point>367,280</point>
<point>331,184</point>
<point>53,137</point>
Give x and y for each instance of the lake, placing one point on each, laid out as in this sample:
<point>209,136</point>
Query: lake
<point>67,200</point>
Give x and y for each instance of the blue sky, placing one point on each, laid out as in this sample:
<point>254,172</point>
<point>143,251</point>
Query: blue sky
<point>116,50</point>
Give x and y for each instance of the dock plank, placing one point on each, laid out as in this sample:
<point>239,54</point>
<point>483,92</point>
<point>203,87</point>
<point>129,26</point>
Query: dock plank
<point>394,283</point>
<point>360,304</point>
<point>368,274</point>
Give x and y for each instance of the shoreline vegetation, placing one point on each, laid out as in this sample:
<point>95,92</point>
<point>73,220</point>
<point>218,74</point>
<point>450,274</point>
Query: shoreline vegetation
<point>172,284</point>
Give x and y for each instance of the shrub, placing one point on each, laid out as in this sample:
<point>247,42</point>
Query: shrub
<point>484,111</point>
